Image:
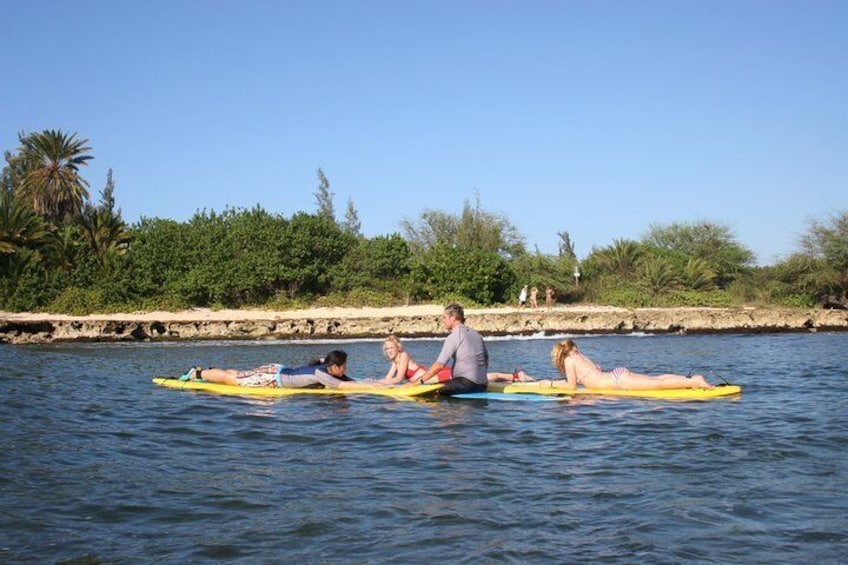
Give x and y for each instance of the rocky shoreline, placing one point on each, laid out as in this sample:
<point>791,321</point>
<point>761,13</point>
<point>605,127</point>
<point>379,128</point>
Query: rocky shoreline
<point>351,324</point>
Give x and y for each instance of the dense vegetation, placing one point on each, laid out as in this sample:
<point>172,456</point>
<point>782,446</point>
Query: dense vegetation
<point>62,252</point>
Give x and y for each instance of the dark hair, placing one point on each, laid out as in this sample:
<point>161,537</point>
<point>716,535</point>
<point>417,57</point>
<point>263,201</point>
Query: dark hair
<point>455,311</point>
<point>335,357</point>
<point>338,358</point>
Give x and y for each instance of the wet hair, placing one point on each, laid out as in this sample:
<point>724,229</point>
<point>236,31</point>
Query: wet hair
<point>338,358</point>
<point>560,352</point>
<point>455,311</point>
<point>335,357</point>
<point>392,339</point>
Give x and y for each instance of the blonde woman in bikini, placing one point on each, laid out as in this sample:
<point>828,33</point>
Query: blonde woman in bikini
<point>580,370</point>
<point>404,369</point>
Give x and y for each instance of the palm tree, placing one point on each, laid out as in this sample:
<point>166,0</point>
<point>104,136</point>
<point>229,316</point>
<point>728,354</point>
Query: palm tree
<point>657,275</point>
<point>20,228</point>
<point>621,258</point>
<point>22,234</point>
<point>106,234</point>
<point>103,229</point>
<point>698,275</point>
<point>64,249</point>
<point>51,182</point>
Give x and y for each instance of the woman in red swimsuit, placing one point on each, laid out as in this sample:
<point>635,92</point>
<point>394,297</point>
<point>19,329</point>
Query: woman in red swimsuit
<point>404,369</point>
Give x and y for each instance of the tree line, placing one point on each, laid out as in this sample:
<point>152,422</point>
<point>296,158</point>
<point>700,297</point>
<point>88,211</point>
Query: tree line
<point>62,251</point>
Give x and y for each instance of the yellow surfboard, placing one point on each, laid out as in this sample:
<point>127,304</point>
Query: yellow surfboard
<point>269,392</point>
<point>668,394</point>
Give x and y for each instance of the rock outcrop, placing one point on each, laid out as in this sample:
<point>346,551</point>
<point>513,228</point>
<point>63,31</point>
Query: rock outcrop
<point>570,320</point>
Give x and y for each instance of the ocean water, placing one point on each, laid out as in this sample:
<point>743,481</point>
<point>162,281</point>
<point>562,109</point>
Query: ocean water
<point>98,465</point>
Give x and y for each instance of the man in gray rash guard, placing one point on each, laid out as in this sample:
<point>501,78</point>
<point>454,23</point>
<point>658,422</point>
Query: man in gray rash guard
<point>466,348</point>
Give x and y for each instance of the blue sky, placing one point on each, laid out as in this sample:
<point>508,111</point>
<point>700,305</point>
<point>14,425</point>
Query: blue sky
<point>599,118</point>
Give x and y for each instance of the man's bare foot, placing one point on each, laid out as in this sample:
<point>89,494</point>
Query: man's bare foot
<point>700,382</point>
<point>521,376</point>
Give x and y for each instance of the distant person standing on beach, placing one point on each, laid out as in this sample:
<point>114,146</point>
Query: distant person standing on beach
<point>466,349</point>
<point>522,297</point>
<point>549,298</point>
<point>534,298</point>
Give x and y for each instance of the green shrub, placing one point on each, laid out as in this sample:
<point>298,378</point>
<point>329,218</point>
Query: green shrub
<point>571,295</point>
<point>77,301</point>
<point>161,302</point>
<point>625,298</point>
<point>796,301</point>
<point>357,298</point>
<point>463,301</point>
<point>444,271</point>
<point>748,291</point>
<point>712,299</point>
<point>282,302</point>
<point>26,296</point>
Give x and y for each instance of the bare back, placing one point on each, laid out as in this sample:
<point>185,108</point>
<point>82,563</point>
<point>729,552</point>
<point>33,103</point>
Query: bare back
<point>579,369</point>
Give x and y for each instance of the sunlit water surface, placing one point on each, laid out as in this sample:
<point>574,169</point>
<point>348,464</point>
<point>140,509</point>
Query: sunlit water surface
<point>97,465</point>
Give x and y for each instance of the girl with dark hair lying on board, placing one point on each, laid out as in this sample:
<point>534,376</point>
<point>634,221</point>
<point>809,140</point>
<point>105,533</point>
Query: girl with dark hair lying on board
<point>328,372</point>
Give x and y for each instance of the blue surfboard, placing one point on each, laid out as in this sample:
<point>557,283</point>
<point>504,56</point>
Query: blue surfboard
<point>509,396</point>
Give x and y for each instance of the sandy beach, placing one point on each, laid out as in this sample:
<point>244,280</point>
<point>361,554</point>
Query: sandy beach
<point>407,321</point>
<point>224,315</point>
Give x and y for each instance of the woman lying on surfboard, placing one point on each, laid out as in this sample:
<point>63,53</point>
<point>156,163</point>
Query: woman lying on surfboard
<point>580,370</point>
<point>404,369</point>
<point>329,372</point>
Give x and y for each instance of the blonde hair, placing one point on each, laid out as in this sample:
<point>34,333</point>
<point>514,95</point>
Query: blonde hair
<point>392,339</point>
<point>560,352</point>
